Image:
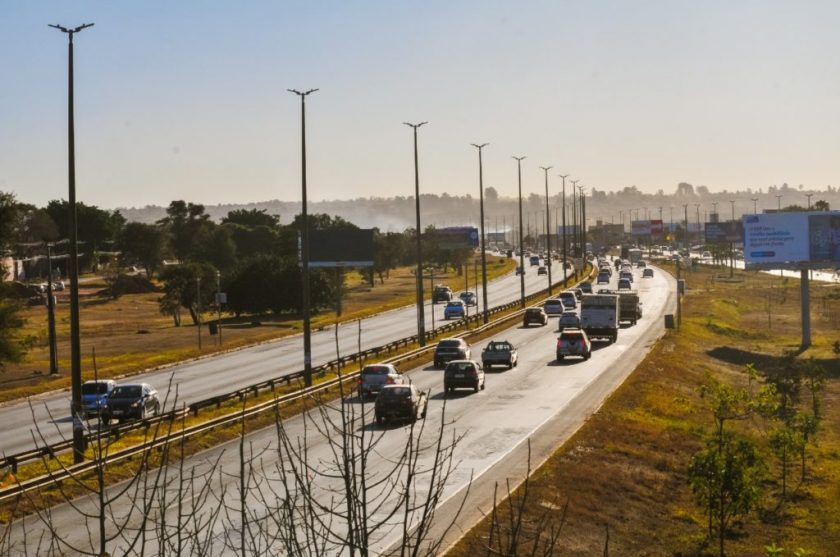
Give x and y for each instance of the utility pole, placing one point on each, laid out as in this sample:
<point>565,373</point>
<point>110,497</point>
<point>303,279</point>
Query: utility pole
<point>421,319</point>
<point>754,200</point>
<point>51,315</point>
<point>731,243</point>
<point>699,235</point>
<point>808,195</point>
<point>583,226</point>
<point>574,223</point>
<point>73,263</point>
<point>219,305</point>
<point>547,229</point>
<point>198,308</point>
<point>483,246</point>
<point>521,242</point>
<point>304,243</point>
<point>779,202</point>
<point>685,236</point>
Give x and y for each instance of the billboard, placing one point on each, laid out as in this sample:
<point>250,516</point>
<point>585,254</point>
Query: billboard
<point>341,248</point>
<point>570,230</point>
<point>720,232</point>
<point>656,227</point>
<point>781,240</point>
<point>646,227</point>
<point>457,237</point>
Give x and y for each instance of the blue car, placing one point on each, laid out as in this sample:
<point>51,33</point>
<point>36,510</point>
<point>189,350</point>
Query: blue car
<point>94,394</point>
<point>454,310</point>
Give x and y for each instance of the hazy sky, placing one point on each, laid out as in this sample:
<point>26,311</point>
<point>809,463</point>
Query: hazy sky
<point>187,99</point>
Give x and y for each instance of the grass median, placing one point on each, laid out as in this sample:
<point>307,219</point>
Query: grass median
<point>622,480</point>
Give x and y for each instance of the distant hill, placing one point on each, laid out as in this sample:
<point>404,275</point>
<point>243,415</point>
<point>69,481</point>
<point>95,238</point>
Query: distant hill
<point>626,204</point>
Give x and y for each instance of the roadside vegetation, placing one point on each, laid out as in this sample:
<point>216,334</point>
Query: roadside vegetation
<point>725,440</point>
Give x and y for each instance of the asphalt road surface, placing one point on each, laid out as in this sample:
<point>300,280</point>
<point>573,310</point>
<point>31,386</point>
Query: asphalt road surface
<point>541,399</point>
<point>48,420</point>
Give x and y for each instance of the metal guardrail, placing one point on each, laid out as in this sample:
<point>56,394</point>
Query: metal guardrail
<point>50,451</point>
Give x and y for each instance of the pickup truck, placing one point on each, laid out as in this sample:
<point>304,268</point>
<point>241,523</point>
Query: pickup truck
<point>402,402</point>
<point>499,353</point>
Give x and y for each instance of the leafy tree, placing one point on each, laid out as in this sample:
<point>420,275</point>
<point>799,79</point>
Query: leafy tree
<point>94,226</point>
<point>12,345</point>
<point>254,287</point>
<point>821,205</point>
<point>726,480</point>
<point>147,243</point>
<point>252,241</point>
<point>252,218</point>
<point>181,289</point>
<point>213,244</point>
<point>10,220</point>
<point>184,221</point>
<point>38,226</point>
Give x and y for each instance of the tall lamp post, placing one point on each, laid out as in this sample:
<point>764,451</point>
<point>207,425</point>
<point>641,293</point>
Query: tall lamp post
<point>582,226</point>
<point>699,236</point>
<point>731,243</point>
<point>755,206</point>
<point>808,195</point>
<point>483,248</point>
<point>574,222</point>
<point>547,228</point>
<point>73,263</point>
<point>421,318</point>
<point>304,242</point>
<point>564,176</point>
<point>521,242</point>
<point>779,202</point>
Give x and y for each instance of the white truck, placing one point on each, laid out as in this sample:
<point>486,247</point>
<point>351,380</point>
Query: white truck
<point>599,316</point>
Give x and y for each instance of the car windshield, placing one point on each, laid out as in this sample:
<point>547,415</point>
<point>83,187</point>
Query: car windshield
<point>456,304</point>
<point>127,391</point>
<point>449,343</point>
<point>376,370</point>
<point>94,388</point>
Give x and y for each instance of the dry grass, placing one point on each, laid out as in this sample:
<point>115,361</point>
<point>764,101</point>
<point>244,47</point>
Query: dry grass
<point>130,335</point>
<point>626,468</point>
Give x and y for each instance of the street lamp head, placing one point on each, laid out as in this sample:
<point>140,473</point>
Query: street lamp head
<point>546,168</point>
<point>70,31</point>
<point>523,157</point>
<point>415,126</point>
<point>301,94</point>
<point>479,147</point>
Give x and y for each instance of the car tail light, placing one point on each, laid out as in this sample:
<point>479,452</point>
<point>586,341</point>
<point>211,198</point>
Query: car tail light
<point>389,380</point>
<point>558,343</point>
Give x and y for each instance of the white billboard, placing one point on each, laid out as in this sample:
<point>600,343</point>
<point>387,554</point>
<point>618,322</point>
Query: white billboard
<point>780,240</point>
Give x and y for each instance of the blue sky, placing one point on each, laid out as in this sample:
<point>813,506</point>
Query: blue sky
<point>188,99</point>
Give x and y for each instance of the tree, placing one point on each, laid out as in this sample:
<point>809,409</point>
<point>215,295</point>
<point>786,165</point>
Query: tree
<point>13,346</point>
<point>146,243</point>
<point>181,289</point>
<point>213,244</point>
<point>94,226</point>
<point>9,220</point>
<point>821,205</point>
<point>252,218</point>
<point>183,221</point>
<point>726,480</point>
<point>491,194</point>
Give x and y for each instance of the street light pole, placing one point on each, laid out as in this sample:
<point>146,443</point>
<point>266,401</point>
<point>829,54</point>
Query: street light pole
<point>73,263</point>
<point>51,314</point>
<point>731,243</point>
<point>483,247</point>
<point>754,200</point>
<point>583,226</point>
<point>304,243</point>
<point>779,202</point>
<point>564,176</point>
<point>521,242</point>
<point>421,318</point>
<point>699,235</point>
<point>574,222</point>
<point>808,195</point>
<point>219,305</point>
<point>547,229</point>
<point>198,308</point>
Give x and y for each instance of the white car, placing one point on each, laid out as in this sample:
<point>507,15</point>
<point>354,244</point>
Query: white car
<point>554,306</point>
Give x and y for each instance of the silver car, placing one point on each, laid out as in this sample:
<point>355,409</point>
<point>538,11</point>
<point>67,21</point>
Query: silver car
<point>374,377</point>
<point>569,319</point>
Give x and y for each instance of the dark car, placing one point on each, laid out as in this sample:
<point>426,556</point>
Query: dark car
<point>647,273</point>
<point>542,270</point>
<point>441,293</point>
<point>603,278</point>
<point>136,401</point>
<point>463,374</point>
<point>535,315</point>
<point>451,349</point>
<point>624,284</point>
<point>374,377</point>
<point>585,287</point>
<point>94,395</point>
<point>400,402</point>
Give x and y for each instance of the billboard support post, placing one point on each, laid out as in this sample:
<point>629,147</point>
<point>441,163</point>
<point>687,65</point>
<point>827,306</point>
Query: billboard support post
<point>806,308</point>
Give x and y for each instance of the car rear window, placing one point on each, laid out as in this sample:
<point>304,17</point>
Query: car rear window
<point>460,366</point>
<point>396,392</point>
<point>449,343</point>
<point>94,388</point>
<point>533,311</point>
<point>128,391</point>
<point>376,370</point>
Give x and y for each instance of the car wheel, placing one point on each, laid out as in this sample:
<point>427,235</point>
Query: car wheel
<point>380,420</point>
<point>157,408</point>
<point>483,384</point>
<point>475,388</point>
<point>587,355</point>
<point>143,413</point>
<point>560,357</point>
<point>425,409</point>
<point>106,420</point>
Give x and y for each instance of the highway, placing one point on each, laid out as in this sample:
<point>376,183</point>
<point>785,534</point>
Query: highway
<point>533,401</point>
<point>204,378</point>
